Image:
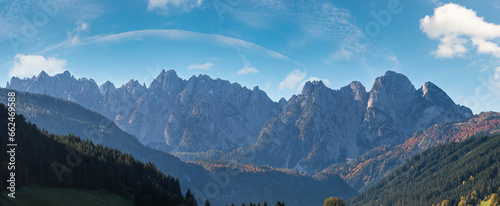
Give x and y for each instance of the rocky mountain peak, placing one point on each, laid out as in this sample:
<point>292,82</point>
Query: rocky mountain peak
<point>312,87</point>
<point>66,75</point>
<point>391,88</point>
<point>435,94</point>
<point>359,90</point>
<point>43,75</point>
<point>393,82</point>
<point>133,84</point>
<point>107,87</point>
<point>168,81</point>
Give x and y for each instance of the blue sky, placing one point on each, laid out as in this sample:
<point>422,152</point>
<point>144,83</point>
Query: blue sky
<point>274,44</point>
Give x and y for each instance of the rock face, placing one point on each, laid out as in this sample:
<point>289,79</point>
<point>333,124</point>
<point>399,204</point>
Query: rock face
<point>321,127</point>
<point>309,132</point>
<point>171,114</point>
<point>396,110</point>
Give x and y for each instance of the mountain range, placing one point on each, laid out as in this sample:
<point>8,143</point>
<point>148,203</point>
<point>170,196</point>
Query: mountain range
<point>205,118</point>
<point>171,114</point>
<point>234,183</point>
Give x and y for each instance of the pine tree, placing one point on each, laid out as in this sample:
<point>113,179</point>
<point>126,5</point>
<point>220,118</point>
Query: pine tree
<point>207,203</point>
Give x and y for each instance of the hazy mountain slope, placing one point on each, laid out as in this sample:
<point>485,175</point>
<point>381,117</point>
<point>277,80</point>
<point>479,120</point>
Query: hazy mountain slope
<point>66,161</point>
<point>445,172</point>
<point>373,166</point>
<point>310,191</point>
<point>171,114</point>
<point>67,117</point>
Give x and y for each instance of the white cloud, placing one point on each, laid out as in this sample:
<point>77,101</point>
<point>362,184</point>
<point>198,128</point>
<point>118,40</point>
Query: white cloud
<point>291,80</point>
<point>455,26</point>
<point>248,70</point>
<point>165,5</point>
<point>29,65</point>
<point>82,26</point>
<point>486,47</point>
<point>451,46</point>
<point>74,35</point>
<point>205,66</point>
<point>312,79</point>
<point>496,76</point>
<point>267,86</point>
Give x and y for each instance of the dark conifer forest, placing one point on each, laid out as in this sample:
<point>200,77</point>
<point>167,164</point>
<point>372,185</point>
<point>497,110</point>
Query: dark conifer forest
<point>49,160</point>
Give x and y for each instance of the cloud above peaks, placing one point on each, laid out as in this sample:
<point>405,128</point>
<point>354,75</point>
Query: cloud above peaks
<point>32,65</point>
<point>292,80</point>
<point>458,28</point>
<point>312,79</point>
<point>295,81</point>
<point>205,66</point>
<point>248,70</point>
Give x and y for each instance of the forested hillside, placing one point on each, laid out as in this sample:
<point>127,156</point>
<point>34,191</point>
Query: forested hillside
<point>68,162</point>
<point>367,170</point>
<point>454,173</point>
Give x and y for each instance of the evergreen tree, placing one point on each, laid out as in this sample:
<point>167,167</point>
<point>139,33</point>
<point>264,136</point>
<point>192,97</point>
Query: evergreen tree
<point>207,203</point>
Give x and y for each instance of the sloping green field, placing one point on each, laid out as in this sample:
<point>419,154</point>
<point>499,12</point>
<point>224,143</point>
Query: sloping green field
<point>50,196</point>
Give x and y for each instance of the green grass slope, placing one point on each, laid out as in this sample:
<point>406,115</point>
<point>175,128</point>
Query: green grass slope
<point>52,196</point>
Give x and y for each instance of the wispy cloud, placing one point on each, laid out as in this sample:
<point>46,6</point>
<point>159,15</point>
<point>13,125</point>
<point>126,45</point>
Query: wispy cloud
<point>29,65</point>
<point>311,20</point>
<point>248,70</point>
<point>14,16</point>
<point>205,66</point>
<point>74,35</point>
<point>296,80</point>
<point>312,79</point>
<point>457,27</point>
<point>165,6</point>
<point>171,34</point>
<point>292,79</point>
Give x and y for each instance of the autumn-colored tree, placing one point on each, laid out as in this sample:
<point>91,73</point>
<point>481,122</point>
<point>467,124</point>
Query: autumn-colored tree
<point>494,200</point>
<point>334,201</point>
